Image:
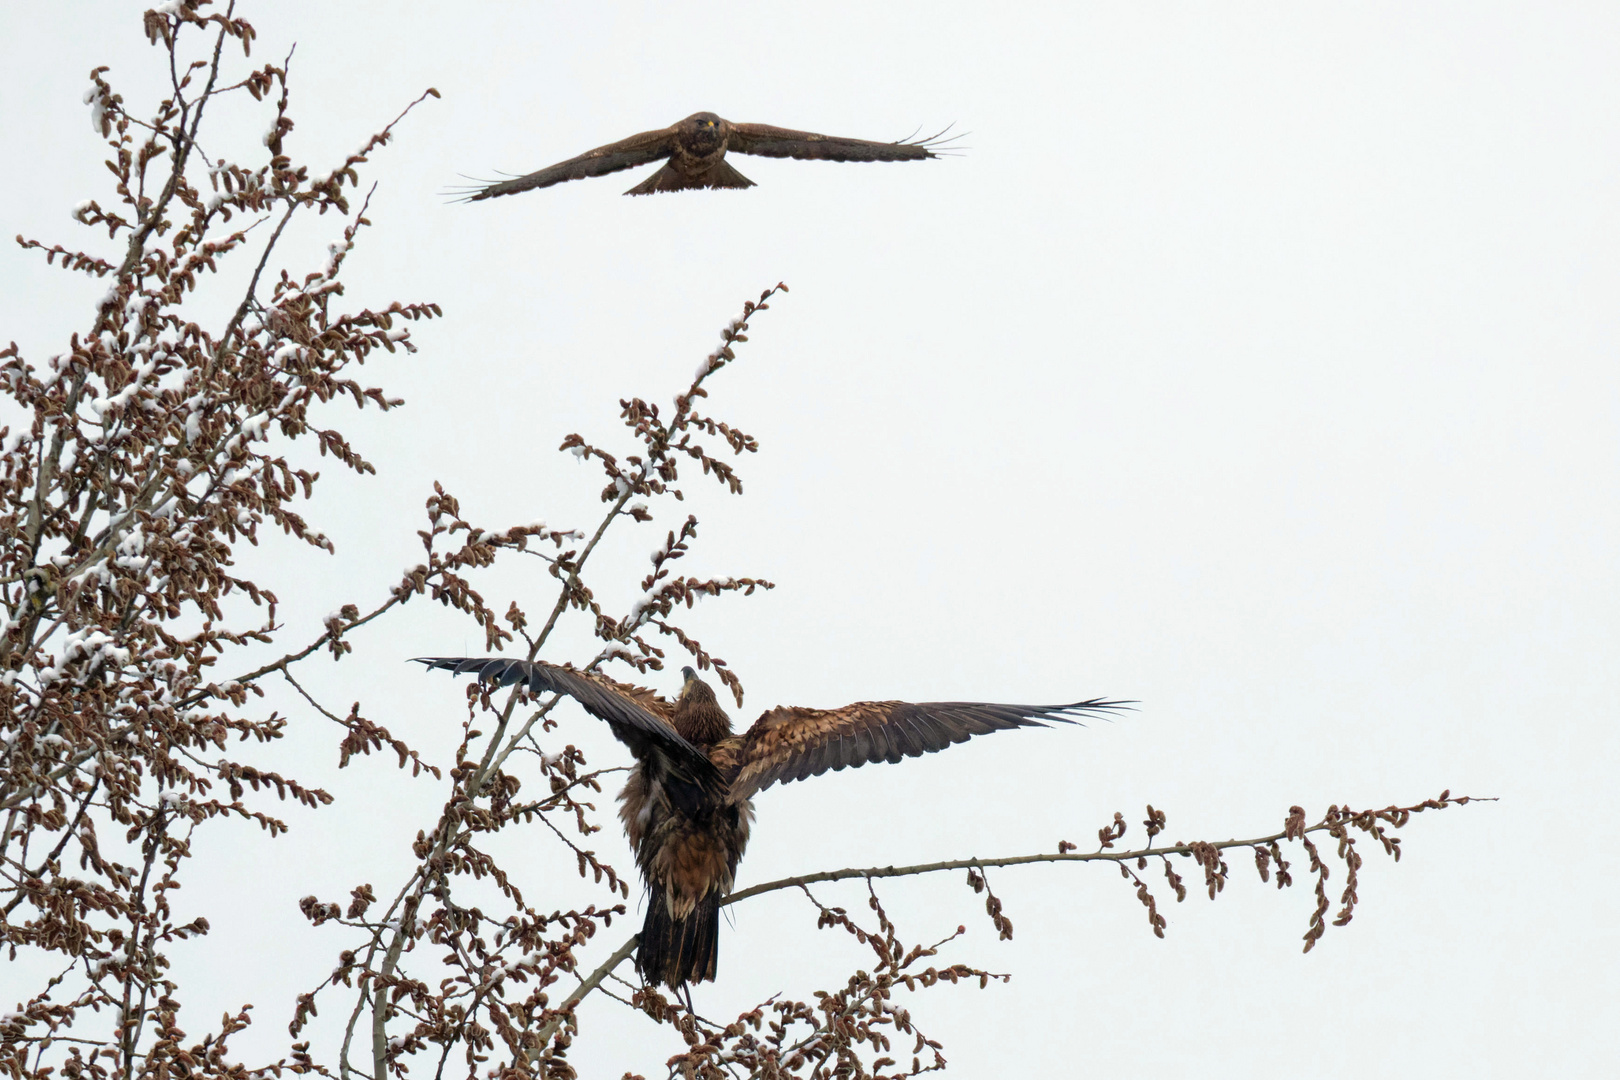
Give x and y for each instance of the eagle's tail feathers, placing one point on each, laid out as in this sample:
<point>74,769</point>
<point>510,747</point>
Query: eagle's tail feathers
<point>720,175</point>
<point>677,951</point>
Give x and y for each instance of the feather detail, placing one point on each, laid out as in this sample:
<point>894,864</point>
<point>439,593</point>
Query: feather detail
<point>788,744</point>
<point>763,140</point>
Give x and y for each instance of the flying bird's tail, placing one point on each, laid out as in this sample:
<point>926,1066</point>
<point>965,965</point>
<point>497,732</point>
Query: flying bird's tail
<point>669,178</point>
<point>675,951</point>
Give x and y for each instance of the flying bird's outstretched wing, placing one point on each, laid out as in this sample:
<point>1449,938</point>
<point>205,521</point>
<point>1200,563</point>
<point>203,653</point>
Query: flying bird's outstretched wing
<point>640,149</point>
<point>639,717</point>
<point>793,743</point>
<point>763,140</point>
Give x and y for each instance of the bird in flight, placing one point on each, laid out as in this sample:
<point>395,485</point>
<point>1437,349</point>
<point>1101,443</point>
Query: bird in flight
<point>686,807</point>
<point>696,152</point>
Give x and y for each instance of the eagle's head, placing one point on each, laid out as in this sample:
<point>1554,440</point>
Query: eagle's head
<point>702,132</point>
<point>698,716</point>
<point>693,689</point>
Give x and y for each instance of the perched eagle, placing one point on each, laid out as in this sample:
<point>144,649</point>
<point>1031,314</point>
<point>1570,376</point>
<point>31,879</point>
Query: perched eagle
<point>686,807</point>
<point>696,152</point>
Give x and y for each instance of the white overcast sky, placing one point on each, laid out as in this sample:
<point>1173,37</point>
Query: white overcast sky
<point>1255,361</point>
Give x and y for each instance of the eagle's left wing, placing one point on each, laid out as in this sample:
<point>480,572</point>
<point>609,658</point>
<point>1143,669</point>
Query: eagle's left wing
<point>790,743</point>
<point>763,140</point>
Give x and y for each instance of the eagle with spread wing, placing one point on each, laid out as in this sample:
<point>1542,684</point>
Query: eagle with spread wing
<point>686,807</point>
<point>694,156</point>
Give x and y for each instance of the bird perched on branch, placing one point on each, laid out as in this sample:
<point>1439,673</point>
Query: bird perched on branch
<point>696,152</point>
<point>686,807</point>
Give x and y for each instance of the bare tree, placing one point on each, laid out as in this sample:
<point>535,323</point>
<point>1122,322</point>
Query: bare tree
<point>134,465</point>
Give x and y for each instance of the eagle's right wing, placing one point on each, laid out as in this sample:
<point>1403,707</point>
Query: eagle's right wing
<point>649,146</point>
<point>640,718</point>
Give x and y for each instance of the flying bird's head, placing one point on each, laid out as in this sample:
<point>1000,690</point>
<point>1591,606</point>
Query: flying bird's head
<point>703,132</point>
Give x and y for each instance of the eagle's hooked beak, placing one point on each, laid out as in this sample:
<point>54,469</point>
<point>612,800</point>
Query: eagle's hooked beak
<point>688,677</point>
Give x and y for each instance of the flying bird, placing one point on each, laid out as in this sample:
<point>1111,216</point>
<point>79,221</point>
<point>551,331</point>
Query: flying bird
<point>696,152</point>
<point>687,808</point>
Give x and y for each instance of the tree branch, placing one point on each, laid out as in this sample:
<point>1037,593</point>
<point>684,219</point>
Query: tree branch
<point>870,872</point>
<point>1336,818</point>
<point>566,1009</point>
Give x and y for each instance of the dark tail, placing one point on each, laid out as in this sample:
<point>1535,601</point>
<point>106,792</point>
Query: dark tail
<point>719,175</point>
<point>676,951</point>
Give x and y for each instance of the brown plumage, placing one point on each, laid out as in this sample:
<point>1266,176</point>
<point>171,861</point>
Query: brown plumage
<point>696,152</point>
<point>686,808</point>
